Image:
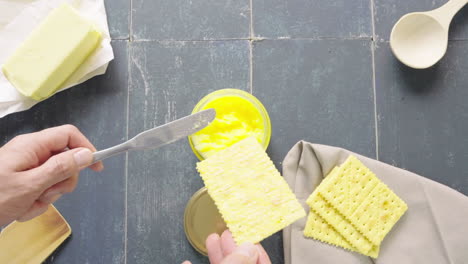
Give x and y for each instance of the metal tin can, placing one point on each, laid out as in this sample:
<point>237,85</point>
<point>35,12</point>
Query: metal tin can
<point>202,218</point>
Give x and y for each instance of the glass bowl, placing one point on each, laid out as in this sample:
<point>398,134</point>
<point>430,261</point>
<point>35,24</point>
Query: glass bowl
<point>265,138</point>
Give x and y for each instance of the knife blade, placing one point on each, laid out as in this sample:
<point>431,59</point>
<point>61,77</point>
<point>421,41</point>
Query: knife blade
<point>162,135</point>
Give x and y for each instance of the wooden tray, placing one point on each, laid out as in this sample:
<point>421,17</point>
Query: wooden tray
<point>33,241</point>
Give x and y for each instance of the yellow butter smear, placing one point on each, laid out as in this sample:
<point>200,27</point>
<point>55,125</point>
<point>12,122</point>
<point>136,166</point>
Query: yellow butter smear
<point>236,119</point>
<point>353,209</point>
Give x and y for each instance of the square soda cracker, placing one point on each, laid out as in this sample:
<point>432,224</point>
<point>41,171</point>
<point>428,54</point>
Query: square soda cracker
<point>318,229</point>
<point>324,230</point>
<point>253,198</point>
<point>367,203</point>
<point>340,224</point>
<point>376,216</point>
<point>348,187</point>
<point>327,178</point>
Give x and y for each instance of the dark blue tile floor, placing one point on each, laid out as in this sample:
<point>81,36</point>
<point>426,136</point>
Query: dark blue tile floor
<point>160,182</point>
<point>323,69</point>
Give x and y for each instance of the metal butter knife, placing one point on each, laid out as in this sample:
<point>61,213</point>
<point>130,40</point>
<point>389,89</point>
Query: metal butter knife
<point>162,135</point>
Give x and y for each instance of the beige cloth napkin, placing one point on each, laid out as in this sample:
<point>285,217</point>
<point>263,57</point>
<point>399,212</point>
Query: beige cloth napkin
<point>434,230</point>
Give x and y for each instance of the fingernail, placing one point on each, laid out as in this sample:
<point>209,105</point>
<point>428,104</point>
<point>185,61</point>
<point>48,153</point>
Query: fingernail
<point>83,157</point>
<point>248,250</point>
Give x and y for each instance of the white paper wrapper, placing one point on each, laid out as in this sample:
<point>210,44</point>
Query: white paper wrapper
<point>19,17</point>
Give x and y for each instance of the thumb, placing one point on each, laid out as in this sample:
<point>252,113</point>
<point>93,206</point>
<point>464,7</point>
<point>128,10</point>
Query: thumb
<point>62,166</point>
<point>246,253</point>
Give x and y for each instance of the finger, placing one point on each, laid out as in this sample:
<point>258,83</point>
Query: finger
<point>49,199</point>
<point>66,186</point>
<point>227,243</point>
<point>73,138</point>
<point>36,209</point>
<point>96,166</point>
<point>186,262</point>
<point>61,137</point>
<point>263,257</point>
<point>244,254</point>
<point>213,246</point>
<point>60,167</point>
<point>46,142</point>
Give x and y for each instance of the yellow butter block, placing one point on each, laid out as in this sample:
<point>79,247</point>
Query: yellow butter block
<point>249,192</point>
<point>51,53</point>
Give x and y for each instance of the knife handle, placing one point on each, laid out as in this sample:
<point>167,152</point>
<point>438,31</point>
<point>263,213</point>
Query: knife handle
<point>112,151</point>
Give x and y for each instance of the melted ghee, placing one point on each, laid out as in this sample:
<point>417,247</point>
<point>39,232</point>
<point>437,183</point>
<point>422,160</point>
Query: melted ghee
<point>236,119</point>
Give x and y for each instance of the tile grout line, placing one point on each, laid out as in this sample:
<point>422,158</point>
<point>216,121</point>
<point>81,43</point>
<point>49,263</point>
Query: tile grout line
<point>126,154</point>
<point>251,65</point>
<point>251,33</point>
<point>374,88</point>
<point>130,40</point>
<point>130,24</point>
<point>251,36</point>
<point>248,38</point>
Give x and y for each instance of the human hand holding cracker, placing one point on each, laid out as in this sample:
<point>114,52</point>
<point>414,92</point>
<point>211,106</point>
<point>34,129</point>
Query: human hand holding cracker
<point>223,250</point>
